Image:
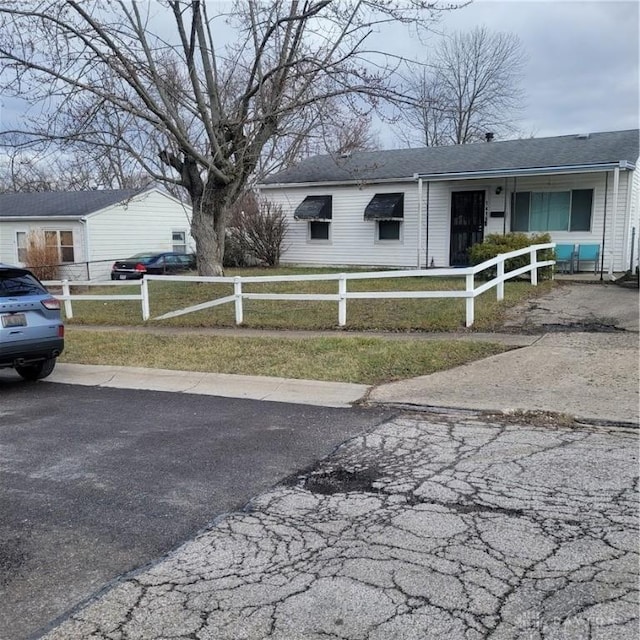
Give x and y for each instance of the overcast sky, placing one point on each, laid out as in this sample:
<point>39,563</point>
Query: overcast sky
<point>582,72</point>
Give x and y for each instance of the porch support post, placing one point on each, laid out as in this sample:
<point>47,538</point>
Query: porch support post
<point>612,240</point>
<point>419,234</point>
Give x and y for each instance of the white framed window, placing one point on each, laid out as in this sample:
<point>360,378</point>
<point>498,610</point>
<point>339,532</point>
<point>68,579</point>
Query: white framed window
<point>388,230</point>
<point>318,213</point>
<point>320,230</point>
<point>62,241</point>
<point>387,211</point>
<point>21,244</point>
<point>179,241</point>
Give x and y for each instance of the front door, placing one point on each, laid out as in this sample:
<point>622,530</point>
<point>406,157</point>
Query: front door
<point>467,224</point>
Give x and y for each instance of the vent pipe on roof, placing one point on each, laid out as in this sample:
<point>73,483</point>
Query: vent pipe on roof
<point>489,136</point>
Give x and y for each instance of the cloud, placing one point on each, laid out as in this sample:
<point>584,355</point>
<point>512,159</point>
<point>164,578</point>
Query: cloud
<point>582,72</point>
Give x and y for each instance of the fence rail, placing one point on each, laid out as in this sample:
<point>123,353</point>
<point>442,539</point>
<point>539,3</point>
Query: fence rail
<point>469,293</point>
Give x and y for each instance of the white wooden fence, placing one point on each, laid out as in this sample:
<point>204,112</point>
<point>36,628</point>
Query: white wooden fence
<point>470,292</point>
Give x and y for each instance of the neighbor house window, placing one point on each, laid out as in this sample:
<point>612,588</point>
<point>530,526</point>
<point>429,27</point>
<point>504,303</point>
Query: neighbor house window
<point>318,213</point>
<point>179,241</point>
<point>62,241</point>
<point>21,243</point>
<point>387,211</point>
<point>552,210</point>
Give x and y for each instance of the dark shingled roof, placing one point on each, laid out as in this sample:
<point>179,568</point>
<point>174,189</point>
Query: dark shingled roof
<point>531,153</point>
<point>72,204</point>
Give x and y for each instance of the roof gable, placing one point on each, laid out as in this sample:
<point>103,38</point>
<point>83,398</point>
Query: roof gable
<point>531,153</point>
<point>67,204</point>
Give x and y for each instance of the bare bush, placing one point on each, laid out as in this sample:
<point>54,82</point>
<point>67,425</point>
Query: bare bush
<point>41,259</point>
<point>256,233</point>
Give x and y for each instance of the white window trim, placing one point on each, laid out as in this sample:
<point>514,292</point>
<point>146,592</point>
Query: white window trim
<point>311,240</point>
<point>378,240</point>
<point>18,247</point>
<point>175,244</point>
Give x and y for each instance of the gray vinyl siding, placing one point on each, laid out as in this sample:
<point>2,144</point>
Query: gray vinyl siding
<point>9,244</point>
<point>143,224</point>
<point>352,239</point>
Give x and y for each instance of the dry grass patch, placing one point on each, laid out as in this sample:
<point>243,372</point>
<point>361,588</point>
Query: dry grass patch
<point>343,359</point>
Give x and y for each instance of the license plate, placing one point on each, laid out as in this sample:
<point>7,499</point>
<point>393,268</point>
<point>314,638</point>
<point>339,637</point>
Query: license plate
<point>14,320</point>
<point>122,277</point>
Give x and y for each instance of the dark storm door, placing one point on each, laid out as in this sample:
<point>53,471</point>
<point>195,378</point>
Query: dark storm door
<point>467,224</point>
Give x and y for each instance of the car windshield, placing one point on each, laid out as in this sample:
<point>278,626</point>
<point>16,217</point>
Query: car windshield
<point>18,283</point>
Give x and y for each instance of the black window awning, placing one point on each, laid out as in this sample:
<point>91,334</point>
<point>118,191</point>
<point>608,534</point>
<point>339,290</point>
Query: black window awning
<point>314,208</point>
<point>385,206</point>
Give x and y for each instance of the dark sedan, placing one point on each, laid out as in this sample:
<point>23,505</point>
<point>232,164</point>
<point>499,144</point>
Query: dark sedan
<point>141,264</point>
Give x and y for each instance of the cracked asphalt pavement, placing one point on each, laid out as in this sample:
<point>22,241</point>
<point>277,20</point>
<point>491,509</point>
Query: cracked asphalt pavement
<point>456,525</point>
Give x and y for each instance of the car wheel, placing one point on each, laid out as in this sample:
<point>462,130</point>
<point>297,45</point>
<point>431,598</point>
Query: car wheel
<point>38,370</point>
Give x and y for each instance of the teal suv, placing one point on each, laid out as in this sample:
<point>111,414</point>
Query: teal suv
<point>31,328</point>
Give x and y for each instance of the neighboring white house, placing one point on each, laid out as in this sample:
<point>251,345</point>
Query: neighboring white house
<point>91,229</point>
<point>425,207</point>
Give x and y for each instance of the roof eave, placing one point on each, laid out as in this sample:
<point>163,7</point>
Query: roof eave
<point>73,218</point>
<point>529,171</point>
<point>334,183</point>
<point>461,175</point>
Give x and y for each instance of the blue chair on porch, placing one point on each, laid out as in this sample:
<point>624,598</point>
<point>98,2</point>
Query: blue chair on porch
<point>564,257</point>
<point>588,253</point>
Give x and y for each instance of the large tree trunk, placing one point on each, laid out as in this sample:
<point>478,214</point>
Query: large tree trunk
<point>208,228</point>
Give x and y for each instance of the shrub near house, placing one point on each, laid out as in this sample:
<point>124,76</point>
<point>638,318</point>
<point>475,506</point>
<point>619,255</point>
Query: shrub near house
<point>495,244</point>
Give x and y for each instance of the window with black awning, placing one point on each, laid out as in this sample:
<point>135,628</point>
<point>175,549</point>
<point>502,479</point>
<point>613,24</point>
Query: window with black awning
<point>385,206</point>
<point>314,208</point>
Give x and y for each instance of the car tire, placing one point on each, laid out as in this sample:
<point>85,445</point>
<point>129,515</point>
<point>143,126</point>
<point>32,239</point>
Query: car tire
<point>38,370</point>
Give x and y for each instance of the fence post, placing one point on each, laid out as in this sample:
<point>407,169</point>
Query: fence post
<point>470,300</point>
<point>342,302</point>
<point>500,276</point>
<point>144,290</point>
<point>66,291</point>
<point>237,292</point>
<point>534,266</point>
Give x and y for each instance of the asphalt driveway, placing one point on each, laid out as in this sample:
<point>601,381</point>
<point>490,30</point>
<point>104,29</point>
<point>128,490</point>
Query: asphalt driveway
<point>95,482</point>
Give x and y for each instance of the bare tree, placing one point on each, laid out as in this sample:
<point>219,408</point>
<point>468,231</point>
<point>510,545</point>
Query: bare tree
<point>207,111</point>
<point>76,168</point>
<point>471,88</point>
<point>427,120</point>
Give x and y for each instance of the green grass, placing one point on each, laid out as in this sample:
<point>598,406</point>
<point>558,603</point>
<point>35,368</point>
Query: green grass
<point>383,315</point>
<point>346,359</point>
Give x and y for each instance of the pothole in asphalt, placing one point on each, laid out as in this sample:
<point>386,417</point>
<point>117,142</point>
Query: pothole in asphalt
<point>338,480</point>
